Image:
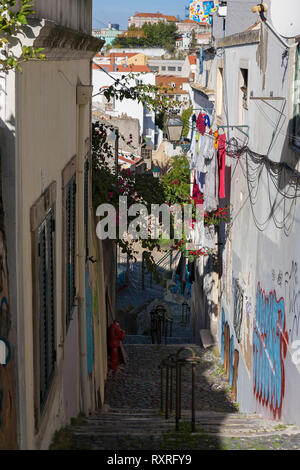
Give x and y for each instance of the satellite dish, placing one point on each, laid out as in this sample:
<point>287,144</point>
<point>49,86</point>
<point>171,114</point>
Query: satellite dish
<point>285,17</point>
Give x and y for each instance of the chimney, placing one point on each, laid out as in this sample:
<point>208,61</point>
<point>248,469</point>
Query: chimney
<point>113,62</point>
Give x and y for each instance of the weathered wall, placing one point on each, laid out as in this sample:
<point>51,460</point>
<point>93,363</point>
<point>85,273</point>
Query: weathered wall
<point>74,14</point>
<point>260,312</point>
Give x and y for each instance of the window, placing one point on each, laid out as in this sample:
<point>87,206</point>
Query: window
<point>243,96</point>
<point>46,305</point>
<point>70,240</point>
<point>244,87</point>
<point>179,69</point>
<point>163,67</point>
<point>42,221</point>
<point>295,139</point>
<point>172,69</point>
<point>146,153</point>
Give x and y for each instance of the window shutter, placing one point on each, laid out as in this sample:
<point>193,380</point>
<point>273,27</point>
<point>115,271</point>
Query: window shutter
<point>46,305</point>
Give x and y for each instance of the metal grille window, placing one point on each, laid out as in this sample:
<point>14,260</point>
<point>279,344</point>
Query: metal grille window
<point>70,248</point>
<point>46,305</point>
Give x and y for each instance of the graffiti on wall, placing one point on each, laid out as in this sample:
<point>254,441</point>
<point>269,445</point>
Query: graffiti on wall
<point>201,11</point>
<point>238,309</point>
<point>292,302</point>
<point>229,356</point>
<point>8,435</point>
<point>270,341</point>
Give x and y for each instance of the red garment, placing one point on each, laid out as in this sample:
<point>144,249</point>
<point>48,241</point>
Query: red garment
<point>200,124</point>
<point>197,195</point>
<point>222,165</point>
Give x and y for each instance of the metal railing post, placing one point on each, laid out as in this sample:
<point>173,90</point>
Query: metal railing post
<point>177,396</point>
<point>167,391</point>
<point>193,399</point>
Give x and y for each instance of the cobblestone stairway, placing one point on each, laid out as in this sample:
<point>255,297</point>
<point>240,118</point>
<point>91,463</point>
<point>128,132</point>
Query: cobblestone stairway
<point>131,417</point>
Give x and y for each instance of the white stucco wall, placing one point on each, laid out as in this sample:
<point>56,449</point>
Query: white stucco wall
<point>130,107</point>
<point>264,254</point>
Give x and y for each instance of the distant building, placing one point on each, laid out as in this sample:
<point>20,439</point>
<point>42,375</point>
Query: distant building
<point>174,87</point>
<point>139,19</point>
<point>118,65</point>
<point>108,34</point>
<point>166,66</point>
<point>187,26</point>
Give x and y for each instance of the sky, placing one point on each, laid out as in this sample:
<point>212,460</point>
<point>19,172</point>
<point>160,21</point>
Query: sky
<point>120,10</point>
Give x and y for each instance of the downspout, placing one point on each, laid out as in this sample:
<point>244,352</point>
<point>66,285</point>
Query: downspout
<point>83,98</point>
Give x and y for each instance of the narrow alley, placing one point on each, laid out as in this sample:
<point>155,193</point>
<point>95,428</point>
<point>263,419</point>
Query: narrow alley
<point>133,416</point>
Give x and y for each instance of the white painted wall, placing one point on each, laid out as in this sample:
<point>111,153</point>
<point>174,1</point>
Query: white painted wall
<point>130,107</point>
<point>263,251</point>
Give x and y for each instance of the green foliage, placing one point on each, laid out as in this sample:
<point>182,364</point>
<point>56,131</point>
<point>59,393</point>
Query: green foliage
<point>176,182</point>
<point>109,185</point>
<point>185,117</point>
<point>12,22</point>
<point>155,35</point>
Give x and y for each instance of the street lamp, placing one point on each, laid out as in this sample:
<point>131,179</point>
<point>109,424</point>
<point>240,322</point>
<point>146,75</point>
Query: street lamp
<point>174,126</point>
<point>156,172</point>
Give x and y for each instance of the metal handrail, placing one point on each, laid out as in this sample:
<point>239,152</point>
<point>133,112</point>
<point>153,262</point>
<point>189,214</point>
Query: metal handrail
<point>161,323</point>
<point>175,361</point>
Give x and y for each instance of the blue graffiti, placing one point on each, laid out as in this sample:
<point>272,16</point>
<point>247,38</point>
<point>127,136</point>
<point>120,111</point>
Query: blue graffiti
<point>223,337</point>
<point>269,350</point>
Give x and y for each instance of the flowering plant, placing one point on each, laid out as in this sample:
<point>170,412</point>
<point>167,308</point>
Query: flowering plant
<point>222,214</point>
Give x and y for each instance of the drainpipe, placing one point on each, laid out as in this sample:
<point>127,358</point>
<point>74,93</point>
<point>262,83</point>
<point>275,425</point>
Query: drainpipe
<point>84,94</point>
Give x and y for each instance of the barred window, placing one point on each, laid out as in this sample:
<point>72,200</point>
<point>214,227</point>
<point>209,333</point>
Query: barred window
<point>70,227</point>
<point>46,305</point>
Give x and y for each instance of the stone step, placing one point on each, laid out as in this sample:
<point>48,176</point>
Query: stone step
<point>143,339</point>
<point>121,424</point>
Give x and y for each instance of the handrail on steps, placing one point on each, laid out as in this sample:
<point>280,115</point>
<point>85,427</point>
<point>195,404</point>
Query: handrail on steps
<point>175,362</point>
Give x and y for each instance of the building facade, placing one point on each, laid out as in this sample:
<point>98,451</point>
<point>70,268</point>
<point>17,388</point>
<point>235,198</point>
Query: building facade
<point>253,309</point>
<point>54,326</point>
<point>138,19</point>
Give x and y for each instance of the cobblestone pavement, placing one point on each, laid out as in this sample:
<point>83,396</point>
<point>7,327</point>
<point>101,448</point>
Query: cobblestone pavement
<point>131,417</point>
<point>137,383</point>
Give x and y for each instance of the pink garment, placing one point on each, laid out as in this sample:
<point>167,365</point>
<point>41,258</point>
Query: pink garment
<point>222,165</point>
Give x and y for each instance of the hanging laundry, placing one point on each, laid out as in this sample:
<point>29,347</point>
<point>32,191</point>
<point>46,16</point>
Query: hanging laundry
<point>203,121</point>
<point>197,195</point>
<point>192,153</point>
<point>201,124</point>
<point>222,165</point>
<point>211,190</point>
<point>209,237</point>
<point>216,135</point>
<point>207,120</point>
